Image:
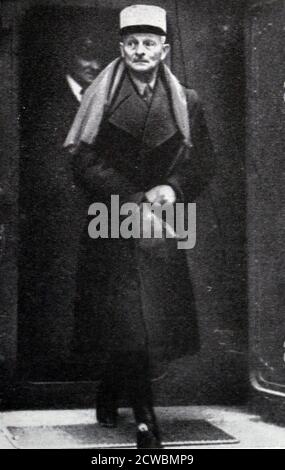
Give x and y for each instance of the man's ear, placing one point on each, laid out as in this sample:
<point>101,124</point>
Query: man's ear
<point>122,49</point>
<point>165,52</point>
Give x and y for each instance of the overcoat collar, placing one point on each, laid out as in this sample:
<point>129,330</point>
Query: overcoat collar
<point>99,95</point>
<point>153,124</point>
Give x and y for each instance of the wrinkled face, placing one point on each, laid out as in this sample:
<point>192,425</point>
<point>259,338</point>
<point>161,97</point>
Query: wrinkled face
<point>143,52</point>
<point>85,71</point>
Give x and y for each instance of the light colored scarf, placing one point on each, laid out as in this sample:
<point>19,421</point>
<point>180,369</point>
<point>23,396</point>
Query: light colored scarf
<point>99,95</point>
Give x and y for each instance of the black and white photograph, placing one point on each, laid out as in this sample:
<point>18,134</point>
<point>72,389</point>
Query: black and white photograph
<point>142,227</point>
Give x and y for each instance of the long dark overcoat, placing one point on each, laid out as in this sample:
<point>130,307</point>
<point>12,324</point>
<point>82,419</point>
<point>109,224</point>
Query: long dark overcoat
<point>144,302</point>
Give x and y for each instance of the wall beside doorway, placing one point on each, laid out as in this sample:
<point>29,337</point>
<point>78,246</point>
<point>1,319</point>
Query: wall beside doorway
<point>265,189</point>
<point>9,182</point>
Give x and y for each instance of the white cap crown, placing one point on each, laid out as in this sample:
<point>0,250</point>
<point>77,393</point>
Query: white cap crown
<point>144,15</point>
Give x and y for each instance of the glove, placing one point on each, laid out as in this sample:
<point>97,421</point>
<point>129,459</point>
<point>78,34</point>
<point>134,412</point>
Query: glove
<point>162,194</point>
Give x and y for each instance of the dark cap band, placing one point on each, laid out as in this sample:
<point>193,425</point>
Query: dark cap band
<point>142,29</point>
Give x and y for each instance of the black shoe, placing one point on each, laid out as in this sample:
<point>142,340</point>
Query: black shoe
<point>148,437</point>
<point>106,408</point>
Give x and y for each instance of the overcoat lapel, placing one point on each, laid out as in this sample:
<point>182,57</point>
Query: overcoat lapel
<point>153,124</point>
<point>160,122</point>
<point>129,111</point>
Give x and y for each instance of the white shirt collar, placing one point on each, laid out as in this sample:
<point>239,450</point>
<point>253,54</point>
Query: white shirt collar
<point>75,88</point>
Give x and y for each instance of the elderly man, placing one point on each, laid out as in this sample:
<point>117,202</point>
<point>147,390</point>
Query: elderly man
<point>141,136</point>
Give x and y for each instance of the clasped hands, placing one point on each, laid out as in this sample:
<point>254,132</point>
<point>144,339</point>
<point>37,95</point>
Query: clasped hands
<point>162,194</point>
<point>159,195</point>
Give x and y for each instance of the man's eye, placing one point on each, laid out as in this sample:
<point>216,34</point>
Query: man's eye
<point>149,44</point>
<point>131,44</point>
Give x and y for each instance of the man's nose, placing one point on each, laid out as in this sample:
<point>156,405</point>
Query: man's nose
<point>140,50</point>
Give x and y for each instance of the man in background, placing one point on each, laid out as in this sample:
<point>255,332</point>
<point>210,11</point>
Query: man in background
<point>83,66</point>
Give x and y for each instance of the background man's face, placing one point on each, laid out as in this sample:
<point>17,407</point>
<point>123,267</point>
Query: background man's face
<point>143,52</point>
<point>84,71</point>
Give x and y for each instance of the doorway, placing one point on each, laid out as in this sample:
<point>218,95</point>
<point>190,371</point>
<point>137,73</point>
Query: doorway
<point>52,218</point>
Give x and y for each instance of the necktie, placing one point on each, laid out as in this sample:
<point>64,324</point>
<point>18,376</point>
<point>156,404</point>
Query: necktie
<point>147,94</point>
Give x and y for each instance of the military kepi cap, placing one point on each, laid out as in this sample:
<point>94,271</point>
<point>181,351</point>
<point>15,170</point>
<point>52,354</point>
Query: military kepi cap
<point>143,18</point>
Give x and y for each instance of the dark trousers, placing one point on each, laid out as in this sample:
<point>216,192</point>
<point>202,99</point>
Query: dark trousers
<point>128,374</point>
